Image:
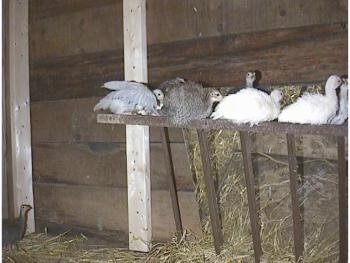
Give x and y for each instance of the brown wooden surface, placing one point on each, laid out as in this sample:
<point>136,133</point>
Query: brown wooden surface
<point>74,121</point>
<point>40,9</point>
<point>272,127</point>
<point>254,215</point>
<point>169,165</point>
<point>343,201</point>
<point>212,197</point>
<point>294,187</point>
<point>106,208</point>
<point>104,164</point>
<point>8,179</point>
<point>61,28</point>
<point>285,56</point>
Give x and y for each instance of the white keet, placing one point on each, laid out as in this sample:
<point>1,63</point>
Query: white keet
<point>131,97</point>
<point>249,106</point>
<point>314,108</point>
<point>342,114</point>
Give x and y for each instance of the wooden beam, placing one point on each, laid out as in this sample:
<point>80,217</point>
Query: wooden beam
<point>20,108</point>
<point>343,198</point>
<point>293,177</point>
<point>4,69</point>
<point>207,124</point>
<point>169,165</point>
<point>214,209</point>
<point>250,184</point>
<point>137,136</point>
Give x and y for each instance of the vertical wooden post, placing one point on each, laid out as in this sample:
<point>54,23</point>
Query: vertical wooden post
<point>214,210</point>
<point>20,108</point>
<point>342,196</point>
<point>3,140</point>
<point>137,136</point>
<point>172,183</point>
<point>297,224</point>
<point>253,208</point>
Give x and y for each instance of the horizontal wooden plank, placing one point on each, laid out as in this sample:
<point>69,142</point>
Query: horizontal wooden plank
<point>42,8</point>
<point>104,164</point>
<point>203,18</point>
<point>90,30</point>
<point>62,28</point>
<point>66,121</point>
<point>210,124</point>
<point>286,56</point>
<point>105,208</point>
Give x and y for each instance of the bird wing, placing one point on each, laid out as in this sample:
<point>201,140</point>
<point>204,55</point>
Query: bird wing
<point>127,95</point>
<point>123,84</point>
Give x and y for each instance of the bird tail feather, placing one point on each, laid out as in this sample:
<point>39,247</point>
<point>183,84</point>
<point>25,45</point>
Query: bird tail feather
<point>102,105</point>
<point>117,85</point>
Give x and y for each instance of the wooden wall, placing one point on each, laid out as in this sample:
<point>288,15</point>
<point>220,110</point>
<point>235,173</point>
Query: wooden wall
<point>79,166</point>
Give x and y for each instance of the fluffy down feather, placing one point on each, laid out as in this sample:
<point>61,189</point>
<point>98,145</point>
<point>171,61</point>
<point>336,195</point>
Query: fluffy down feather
<point>314,108</point>
<point>249,106</point>
<point>186,100</point>
<point>342,114</point>
<point>130,97</point>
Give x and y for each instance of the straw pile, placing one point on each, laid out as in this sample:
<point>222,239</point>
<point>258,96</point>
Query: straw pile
<point>319,201</point>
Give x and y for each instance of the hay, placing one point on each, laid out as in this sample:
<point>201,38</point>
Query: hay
<point>321,241</point>
<point>275,211</point>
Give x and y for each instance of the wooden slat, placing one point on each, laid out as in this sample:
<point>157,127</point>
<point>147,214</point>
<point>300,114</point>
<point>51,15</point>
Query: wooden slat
<point>40,9</point>
<point>172,182</point>
<point>215,60</point>
<point>104,164</point>
<point>250,184</point>
<point>75,33</point>
<point>214,210</point>
<point>265,127</point>
<point>343,201</point>
<point>7,182</point>
<point>137,136</point>
<point>293,177</point>
<point>202,18</point>
<point>20,109</point>
<point>61,28</point>
<point>105,208</point>
<point>67,121</point>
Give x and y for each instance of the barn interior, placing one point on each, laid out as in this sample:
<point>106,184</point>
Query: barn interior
<point>72,168</point>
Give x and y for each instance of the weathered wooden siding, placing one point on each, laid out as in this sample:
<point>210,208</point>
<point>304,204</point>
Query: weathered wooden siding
<point>79,166</point>
<point>62,28</point>
<point>75,158</point>
<point>300,55</point>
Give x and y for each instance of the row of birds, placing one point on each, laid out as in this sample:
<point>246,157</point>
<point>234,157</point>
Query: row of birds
<point>185,100</point>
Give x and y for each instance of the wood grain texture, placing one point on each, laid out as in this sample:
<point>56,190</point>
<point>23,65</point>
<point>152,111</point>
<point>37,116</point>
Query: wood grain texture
<point>104,164</point>
<point>40,9</point>
<point>105,208</point>
<point>299,55</point>
<point>19,110</point>
<point>66,121</point>
<point>63,28</point>
<point>137,136</point>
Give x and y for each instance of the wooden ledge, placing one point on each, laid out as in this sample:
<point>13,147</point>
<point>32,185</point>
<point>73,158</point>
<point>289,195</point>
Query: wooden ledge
<point>208,124</point>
